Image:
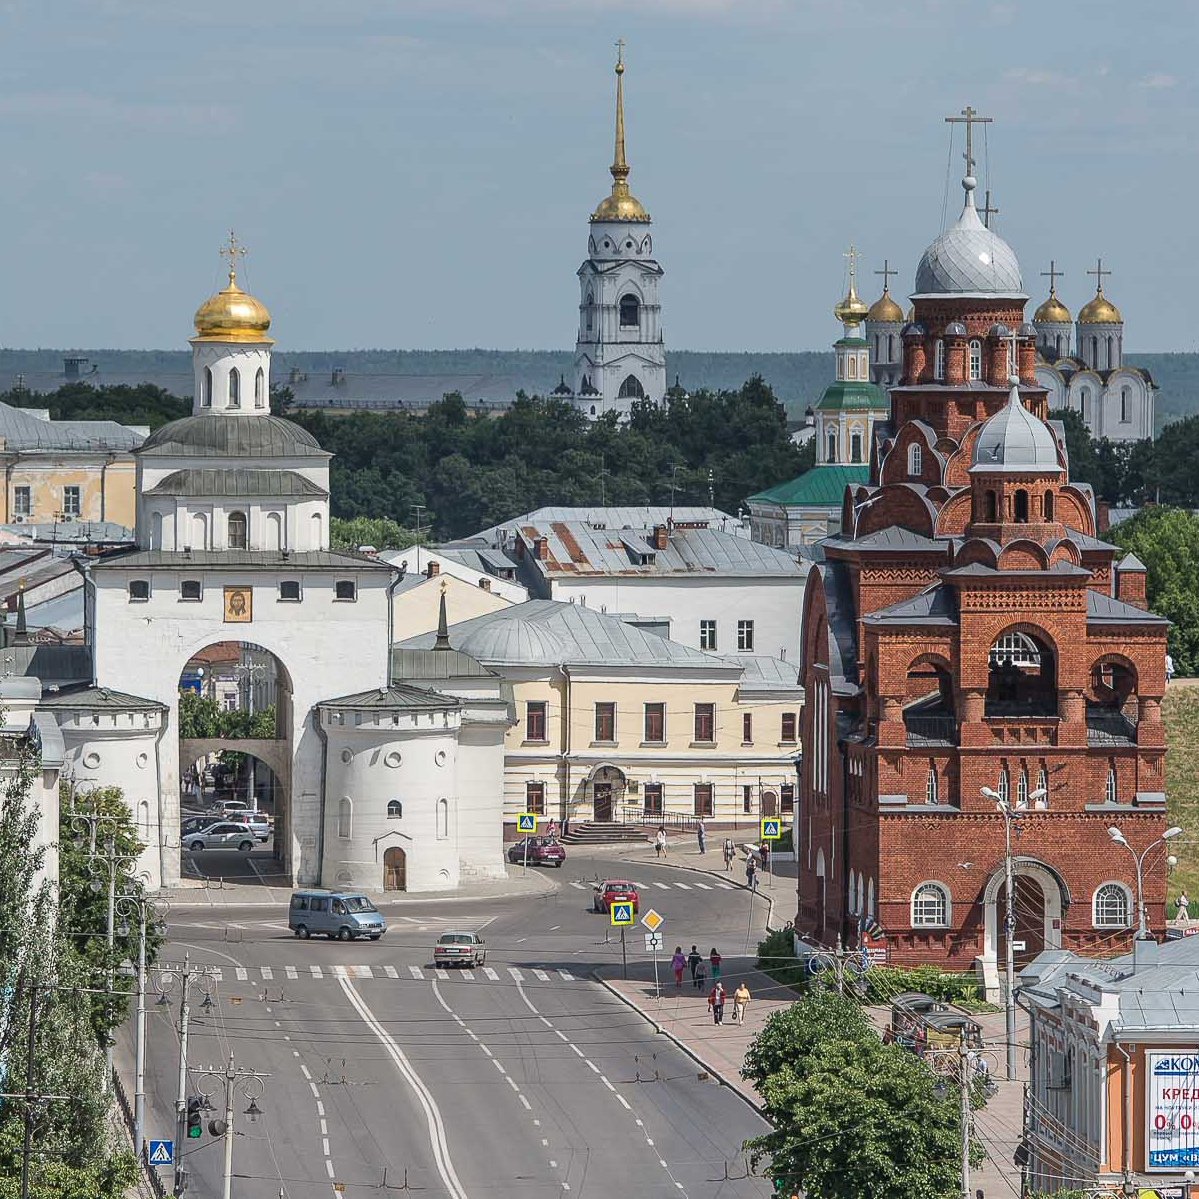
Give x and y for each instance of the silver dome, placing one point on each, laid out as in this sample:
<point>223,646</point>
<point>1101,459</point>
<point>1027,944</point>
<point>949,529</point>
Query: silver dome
<point>1015,440</point>
<point>969,259</point>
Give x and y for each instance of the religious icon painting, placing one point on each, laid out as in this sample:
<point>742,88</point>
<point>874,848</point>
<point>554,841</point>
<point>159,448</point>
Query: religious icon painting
<point>239,605</point>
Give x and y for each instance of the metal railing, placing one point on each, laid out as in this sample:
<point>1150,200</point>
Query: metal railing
<point>931,729</point>
<point>1110,728</point>
<point>149,1173</point>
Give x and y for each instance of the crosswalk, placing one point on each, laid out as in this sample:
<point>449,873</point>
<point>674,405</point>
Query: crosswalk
<point>310,971</point>
<point>655,885</point>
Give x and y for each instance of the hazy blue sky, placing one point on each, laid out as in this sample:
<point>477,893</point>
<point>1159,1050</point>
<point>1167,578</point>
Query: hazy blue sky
<point>418,173</point>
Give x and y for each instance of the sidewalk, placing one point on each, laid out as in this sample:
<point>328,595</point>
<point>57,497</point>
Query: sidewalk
<point>218,893</point>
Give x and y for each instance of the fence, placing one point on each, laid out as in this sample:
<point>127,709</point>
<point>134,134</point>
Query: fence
<point>149,1173</point>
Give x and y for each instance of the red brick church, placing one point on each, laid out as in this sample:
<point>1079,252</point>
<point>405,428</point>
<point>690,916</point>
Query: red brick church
<point>969,637</point>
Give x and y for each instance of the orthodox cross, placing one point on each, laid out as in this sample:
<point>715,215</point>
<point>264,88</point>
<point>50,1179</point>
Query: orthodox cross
<point>886,273</point>
<point>969,118</point>
<point>620,51</point>
<point>1053,275</point>
<point>852,255</point>
<point>233,251</point>
<point>987,211</point>
<point>1099,272</point>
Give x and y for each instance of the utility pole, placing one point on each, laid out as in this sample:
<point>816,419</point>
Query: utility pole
<point>1009,924</point>
<point>964,1071</point>
<point>251,1084</point>
<point>30,1056</point>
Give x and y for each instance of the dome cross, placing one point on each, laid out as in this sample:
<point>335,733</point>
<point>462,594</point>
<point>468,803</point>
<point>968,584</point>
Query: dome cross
<point>887,271</point>
<point>1053,275</point>
<point>969,117</point>
<point>1099,272</point>
<point>987,211</point>
<point>233,251</point>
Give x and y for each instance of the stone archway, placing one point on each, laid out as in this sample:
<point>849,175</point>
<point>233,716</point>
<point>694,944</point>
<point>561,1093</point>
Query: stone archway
<point>1040,915</point>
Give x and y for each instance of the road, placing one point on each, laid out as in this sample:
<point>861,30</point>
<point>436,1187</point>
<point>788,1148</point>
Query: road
<point>523,1078</point>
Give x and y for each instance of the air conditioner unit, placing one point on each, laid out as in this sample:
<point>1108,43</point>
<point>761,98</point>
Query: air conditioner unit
<point>19,520</point>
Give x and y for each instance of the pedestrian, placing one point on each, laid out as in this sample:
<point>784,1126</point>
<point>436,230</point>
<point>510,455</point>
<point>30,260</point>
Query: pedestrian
<point>678,964</point>
<point>741,998</point>
<point>1169,668</point>
<point>701,834</point>
<point>730,852</point>
<point>716,1003</point>
<point>751,872</point>
<point>552,832</point>
<point>693,960</point>
<point>660,842</point>
<point>715,959</point>
<point>765,851</point>
<point>1183,911</point>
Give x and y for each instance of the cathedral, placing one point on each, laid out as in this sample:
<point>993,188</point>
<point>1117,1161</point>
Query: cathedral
<point>976,660</point>
<point>620,356</point>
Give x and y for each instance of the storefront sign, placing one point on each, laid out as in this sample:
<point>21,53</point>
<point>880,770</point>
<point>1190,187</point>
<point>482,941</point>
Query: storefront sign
<point>1172,1111</point>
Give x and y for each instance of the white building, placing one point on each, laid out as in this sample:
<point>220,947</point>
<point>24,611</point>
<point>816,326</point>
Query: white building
<point>387,785</point>
<point>620,355</point>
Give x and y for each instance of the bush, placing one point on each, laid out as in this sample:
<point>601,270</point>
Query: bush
<point>883,983</point>
<point>776,957</point>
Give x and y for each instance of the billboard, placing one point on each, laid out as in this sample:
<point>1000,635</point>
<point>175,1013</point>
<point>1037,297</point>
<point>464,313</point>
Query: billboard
<point>1172,1110</point>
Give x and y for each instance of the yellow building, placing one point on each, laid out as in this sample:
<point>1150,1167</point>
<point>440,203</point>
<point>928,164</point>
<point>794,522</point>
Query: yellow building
<point>416,599</point>
<point>618,724</point>
<point>62,472</point>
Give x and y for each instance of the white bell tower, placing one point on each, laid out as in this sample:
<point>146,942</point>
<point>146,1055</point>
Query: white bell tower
<point>620,356</point>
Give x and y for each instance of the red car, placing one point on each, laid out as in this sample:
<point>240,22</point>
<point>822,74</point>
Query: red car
<point>614,891</point>
<point>542,852</point>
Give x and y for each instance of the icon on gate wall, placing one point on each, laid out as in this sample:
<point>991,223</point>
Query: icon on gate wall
<point>239,605</point>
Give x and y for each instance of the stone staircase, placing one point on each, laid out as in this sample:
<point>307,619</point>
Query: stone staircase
<point>592,832</point>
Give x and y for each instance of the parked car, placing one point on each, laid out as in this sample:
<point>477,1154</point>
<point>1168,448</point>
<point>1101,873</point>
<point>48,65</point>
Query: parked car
<point>345,915</point>
<point>259,822</point>
<point>459,949</point>
<point>197,824</point>
<point>222,835</point>
<point>230,807</point>
<point>612,891</point>
<point>542,852</point>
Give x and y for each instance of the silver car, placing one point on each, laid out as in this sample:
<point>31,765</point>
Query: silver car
<point>222,835</point>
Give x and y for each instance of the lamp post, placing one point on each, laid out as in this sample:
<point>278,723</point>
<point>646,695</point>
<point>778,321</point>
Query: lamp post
<point>965,1064</point>
<point>1009,813</point>
<point>845,966</point>
<point>1143,933</point>
<point>251,1084</point>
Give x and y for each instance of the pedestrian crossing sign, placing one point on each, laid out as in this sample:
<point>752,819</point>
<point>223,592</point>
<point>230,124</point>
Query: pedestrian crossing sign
<point>772,829</point>
<point>526,822</point>
<point>622,914</point>
<point>162,1153</point>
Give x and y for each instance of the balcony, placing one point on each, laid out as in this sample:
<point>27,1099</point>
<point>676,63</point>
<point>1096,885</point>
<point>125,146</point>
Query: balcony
<point>925,727</point>
<point>1109,726</point>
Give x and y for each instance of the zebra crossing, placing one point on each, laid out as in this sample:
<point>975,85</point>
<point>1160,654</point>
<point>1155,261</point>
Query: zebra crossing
<point>311,971</point>
<point>716,885</point>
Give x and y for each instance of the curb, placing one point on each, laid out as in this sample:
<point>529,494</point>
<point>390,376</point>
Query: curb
<point>681,1045</point>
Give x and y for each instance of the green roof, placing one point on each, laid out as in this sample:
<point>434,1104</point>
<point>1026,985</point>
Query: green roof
<point>847,343</point>
<point>851,394</point>
<point>822,486</point>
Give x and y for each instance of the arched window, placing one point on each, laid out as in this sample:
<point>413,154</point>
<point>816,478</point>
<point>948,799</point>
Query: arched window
<point>1005,784</point>
<point>1022,789</point>
<point>238,531</point>
<point>1112,906</point>
<point>852,890</point>
<point>831,456</point>
<point>1125,406</point>
<point>274,531</point>
<point>976,360</point>
<point>1043,785</point>
<point>861,894</point>
<point>443,818</point>
<point>932,787</point>
<point>156,531</point>
<point>890,347</point>
<point>630,312</point>
<point>317,524</point>
<point>930,906</point>
<point>631,389</point>
<point>851,366</point>
<point>1082,403</point>
<point>1015,649</point>
<point>1022,507</point>
<point>1095,352</point>
<point>345,817</point>
<point>199,537</point>
<point>915,461</point>
<point>1112,789</point>
<point>260,389</point>
<point>863,373</point>
<point>590,311</point>
<point>855,447</point>
<point>870,899</point>
<point>1058,350</point>
<point>1109,364</point>
<point>990,508</point>
<point>939,360</point>
<point>395,809</point>
<point>206,393</point>
<point>235,388</point>
<point>1049,505</point>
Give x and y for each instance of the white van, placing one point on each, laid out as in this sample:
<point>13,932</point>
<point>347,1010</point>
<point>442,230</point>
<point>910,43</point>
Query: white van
<point>345,915</point>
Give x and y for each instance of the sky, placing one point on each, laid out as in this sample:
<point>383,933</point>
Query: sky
<point>418,174</point>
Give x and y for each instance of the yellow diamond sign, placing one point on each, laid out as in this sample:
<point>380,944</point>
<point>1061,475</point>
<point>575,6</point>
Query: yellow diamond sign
<point>653,921</point>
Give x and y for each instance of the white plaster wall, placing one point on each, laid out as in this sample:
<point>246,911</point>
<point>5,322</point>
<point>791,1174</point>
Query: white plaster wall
<point>481,799</point>
<point>222,358</point>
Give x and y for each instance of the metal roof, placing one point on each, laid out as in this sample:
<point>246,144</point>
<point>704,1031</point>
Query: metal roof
<point>436,664</point>
<point>969,259</point>
<point>575,548</point>
<point>51,663</point>
<point>1103,609</point>
<point>232,436</point>
<point>937,606</point>
<point>398,695</point>
<point>242,559</point>
<point>603,517</point>
<point>1015,440</point>
<point>821,485</point>
<point>236,483</point>
<point>21,430</point>
<point>91,698</point>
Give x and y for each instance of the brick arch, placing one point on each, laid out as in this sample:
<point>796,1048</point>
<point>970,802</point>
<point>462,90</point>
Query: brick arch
<point>1023,555</point>
<point>1125,687</point>
<point>903,506</point>
<point>1065,551</point>
<point>1074,511</point>
<point>957,468</point>
<point>955,514</point>
<point>977,549</point>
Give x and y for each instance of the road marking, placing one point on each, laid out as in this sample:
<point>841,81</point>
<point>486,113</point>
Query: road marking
<point>325,1146</point>
<point>487,1051</point>
<point>291,972</point>
<point>528,1106</point>
<point>608,1084</point>
<point>315,1091</point>
<point>324,1128</point>
<point>469,975</point>
<point>702,886</point>
<point>516,974</point>
<point>267,973</point>
<point>639,886</point>
<point>578,886</point>
<point>306,1072</point>
<point>512,1084</point>
<point>364,972</point>
<point>566,976</point>
<point>242,974</point>
<point>340,972</point>
<point>320,1108</point>
<point>623,1102</point>
<point>443,975</point>
<point>329,1167</point>
<point>682,886</point>
<point>416,972</point>
<point>316,972</point>
<point>591,1065</point>
<point>498,1065</point>
<point>541,974</point>
<point>562,1035</point>
<point>436,1126</point>
<point>577,1050</point>
<point>725,887</point>
<point>662,886</point>
<point>491,974</point>
<point>391,972</point>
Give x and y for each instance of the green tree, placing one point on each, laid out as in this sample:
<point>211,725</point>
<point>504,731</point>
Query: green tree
<point>790,1036</point>
<point>144,404</point>
<point>1167,541</point>
<point>380,531</point>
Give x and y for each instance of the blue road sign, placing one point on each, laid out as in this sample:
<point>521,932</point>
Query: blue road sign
<point>162,1153</point>
<point>622,913</point>
<point>772,830</point>
<point>526,822</point>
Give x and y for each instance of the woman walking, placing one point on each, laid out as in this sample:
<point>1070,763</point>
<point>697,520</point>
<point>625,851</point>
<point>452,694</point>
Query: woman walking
<point>714,960</point>
<point>730,852</point>
<point>741,998</point>
<point>716,1003</point>
<point>678,964</point>
<point>660,842</point>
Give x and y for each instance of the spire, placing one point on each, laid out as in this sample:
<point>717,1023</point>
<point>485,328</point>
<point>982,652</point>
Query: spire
<point>22,634</point>
<point>443,631</point>
<point>620,205</point>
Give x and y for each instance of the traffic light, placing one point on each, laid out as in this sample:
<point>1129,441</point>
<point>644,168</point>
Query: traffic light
<point>195,1117</point>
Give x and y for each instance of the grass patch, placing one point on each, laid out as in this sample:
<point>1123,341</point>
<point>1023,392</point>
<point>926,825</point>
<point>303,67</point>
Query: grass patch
<point>1180,713</point>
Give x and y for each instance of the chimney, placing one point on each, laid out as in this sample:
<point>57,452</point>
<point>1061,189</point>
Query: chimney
<point>1145,953</point>
<point>485,584</point>
<point>432,570</point>
<point>659,540</point>
<point>339,376</point>
<point>1103,516</point>
<point>1131,581</point>
<point>541,548</point>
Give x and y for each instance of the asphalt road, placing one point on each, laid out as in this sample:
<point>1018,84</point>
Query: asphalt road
<point>524,1078</point>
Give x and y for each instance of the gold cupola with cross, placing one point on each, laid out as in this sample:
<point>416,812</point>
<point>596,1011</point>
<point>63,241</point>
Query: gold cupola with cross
<point>232,314</point>
<point>620,204</point>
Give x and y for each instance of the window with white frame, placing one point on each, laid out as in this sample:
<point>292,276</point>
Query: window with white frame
<point>932,787</point>
<point>976,360</point>
<point>1015,649</point>
<point>745,636</point>
<point>345,817</point>
<point>707,635</point>
<point>915,461</point>
<point>939,360</point>
<point>1112,906</point>
<point>1043,785</point>
<point>1022,789</point>
<point>22,501</point>
<point>1112,790</point>
<point>72,501</point>
<point>930,906</point>
<point>1005,785</point>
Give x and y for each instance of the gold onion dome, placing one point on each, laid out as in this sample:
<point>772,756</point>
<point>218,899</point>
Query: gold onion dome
<point>1052,312</point>
<point>851,310</point>
<point>884,309</point>
<point>1100,311</point>
<point>232,315</point>
<point>621,204</point>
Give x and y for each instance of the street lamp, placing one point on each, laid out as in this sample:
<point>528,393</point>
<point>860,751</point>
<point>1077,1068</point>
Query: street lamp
<point>251,1084</point>
<point>1009,813</point>
<point>1143,933</point>
<point>845,966</point>
<point>965,1063</point>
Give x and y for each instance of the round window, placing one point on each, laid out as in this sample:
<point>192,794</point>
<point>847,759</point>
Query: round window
<point>347,755</point>
<point>91,760</point>
<point>142,759</point>
<point>393,759</point>
<point>439,757</point>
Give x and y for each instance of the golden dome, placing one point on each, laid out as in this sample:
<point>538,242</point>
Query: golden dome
<point>885,310</point>
<point>1100,311</point>
<point>232,315</point>
<point>1052,312</point>
<point>851,310</point>
<point>621,205</point>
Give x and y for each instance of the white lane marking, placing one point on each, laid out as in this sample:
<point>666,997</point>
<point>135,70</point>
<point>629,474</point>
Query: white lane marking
<point>608,1084</point>
<point>315,1092</point>
<point>541,974</point>
<point>436,1126</point>
<point>623,1102</point>
<point>512,1084</point>
<point>295,1053</point>
<point>516,974</point>
<point>662,886</point>
<point>528,1106</point>
<point>491,974</point>
<point>320,1108</point>
<point>316,972</point>
<point>242,974</point>
<point>487,1051</point>
<point>561,1034</point>
<point>577,1050</point>
<point>340,972</point>
<point>416,972</point>
<point>291,972</point>
<point>498,1065</point>
<point>306,1072</point>
<point>591,1065</point>
<point>545,1022</point>
<point>329,1167</point>
<point>325,1146</point>
<point>682,886</point>
<point>325,1128</point>
<point>390,971</point>
<point>444,975</point>
<point>364,972</point>
<point>469,975</point>
<point>566,976</point>
<point>267,973</point>
<point>725,887</point>
<point>639,886</point>
<point>578,886</point>
<point>702,886</point>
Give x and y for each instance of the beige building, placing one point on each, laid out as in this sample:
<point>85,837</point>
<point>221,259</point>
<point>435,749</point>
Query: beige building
<point>618,724</point>
<point>416,601</point>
